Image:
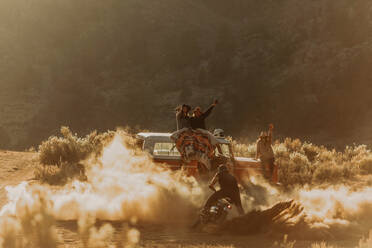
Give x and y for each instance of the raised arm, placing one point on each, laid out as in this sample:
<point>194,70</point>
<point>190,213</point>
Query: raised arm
<point>209,110</point>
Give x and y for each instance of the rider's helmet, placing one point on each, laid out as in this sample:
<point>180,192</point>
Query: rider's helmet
<point>222,168</point>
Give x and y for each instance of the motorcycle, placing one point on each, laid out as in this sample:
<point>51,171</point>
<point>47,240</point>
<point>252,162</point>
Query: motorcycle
<point>216,214</point>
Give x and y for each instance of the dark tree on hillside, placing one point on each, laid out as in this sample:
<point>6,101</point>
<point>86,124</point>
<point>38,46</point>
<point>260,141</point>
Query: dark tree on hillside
<point>203,75</point>
<point>182,49</point>
<point>221,60</point>
<point>186,93</point>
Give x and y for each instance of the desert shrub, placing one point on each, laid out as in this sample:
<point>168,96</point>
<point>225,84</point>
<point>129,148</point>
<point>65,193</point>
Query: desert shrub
<point>285,243</point>
<point>365,165</point>
<point>327,172</point>
<point>243,150</point>
<point>293,144</point>
<point>326,156</point>
<point>310,150</point>
<point>60,157</point>
<point>295,170</point>
<point>59,175</point>
<point>305,163</point>
<point>352,153</point>
<point>70,148</point>
<point>321,245</point>
<point>281,151</point>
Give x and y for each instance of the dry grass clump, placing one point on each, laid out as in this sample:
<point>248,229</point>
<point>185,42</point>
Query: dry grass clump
<point>247,150</point>
<point>60,156</point>
<point>363,243</point>
<point>71,148</point>
<point>365,164</point>
<point>285,243</point>
<point>322,245</point>
<point>182,246</point>
<point>303,163</point>
<point>297,166</point>
<point>59,175</point>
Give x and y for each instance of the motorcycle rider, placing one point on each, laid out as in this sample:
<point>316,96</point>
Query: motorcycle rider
<point>228,188</point>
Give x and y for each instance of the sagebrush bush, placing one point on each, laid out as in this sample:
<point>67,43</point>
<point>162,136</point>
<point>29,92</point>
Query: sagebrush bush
<point>310,151</point>
<point>71,148</point>
<point>299,163</point>
<point>244,150</point>
<point>59,174</point>
<point>305,163</point>
<point>365,165</point>
<point>363,243</point>
<point>327,172</point>
<point>293,145</point>
<point>322,245</point>
<point>285,243</point>
<point>297,171</point>
<point>60,157</point>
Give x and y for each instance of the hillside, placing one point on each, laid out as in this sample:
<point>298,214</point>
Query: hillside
<point>101,64</point>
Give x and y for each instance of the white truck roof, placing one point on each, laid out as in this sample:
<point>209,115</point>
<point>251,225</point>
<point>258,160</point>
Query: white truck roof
<point>153,135</point>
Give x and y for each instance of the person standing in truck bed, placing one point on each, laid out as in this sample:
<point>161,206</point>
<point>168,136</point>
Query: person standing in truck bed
<point>198,123</point>
<point>182,117</point>
<point>198,119</point>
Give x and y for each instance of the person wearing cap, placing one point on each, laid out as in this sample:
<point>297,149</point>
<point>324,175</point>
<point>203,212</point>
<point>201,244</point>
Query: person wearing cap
<point>198,124</point>
<point>265,152</point>
<point>182,117</point>
<point>198,118</point>
<point>228,189</point>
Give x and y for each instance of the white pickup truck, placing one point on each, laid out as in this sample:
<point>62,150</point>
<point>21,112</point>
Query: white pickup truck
<point>163,151</point>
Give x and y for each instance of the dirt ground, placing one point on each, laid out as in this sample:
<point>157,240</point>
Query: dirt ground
<point>161,236</point>
<point>16,167</point>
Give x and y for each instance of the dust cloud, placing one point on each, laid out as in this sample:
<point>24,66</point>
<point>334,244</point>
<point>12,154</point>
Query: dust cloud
<point>319,213</point>
<point>122,184</point>
<point>125,185</point>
